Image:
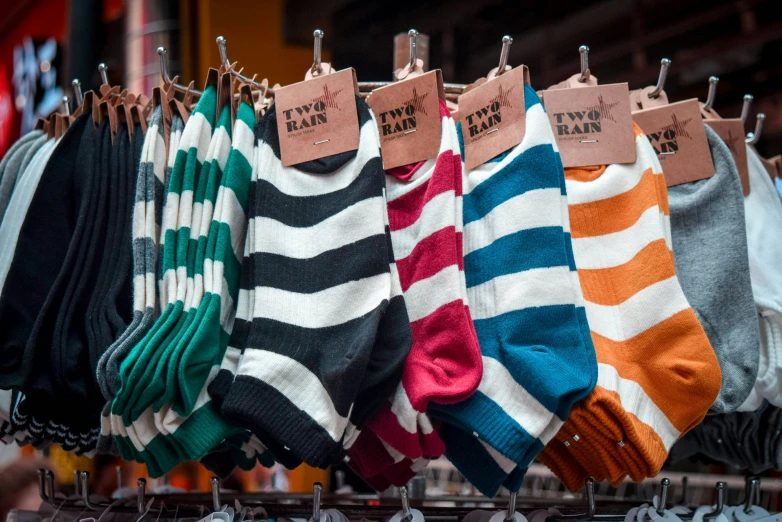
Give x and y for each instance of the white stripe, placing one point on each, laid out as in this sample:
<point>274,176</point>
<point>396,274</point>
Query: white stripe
<point>196,134</point>
<point>329,307</point>
<point>230,360</point>
<point>394,454</point>
<point>635,401</point>
<point>500,386</point>
<point>245,300</point>
<point>158,158</point>
<point>185,215</point>
<point>139,219</point>
<point>551,430</point>
<point>565,215</point>
<point>617,179</point>
<point>294,182</point>
<point>538,133</point>
<point>502,461</point>
<point>648,307</point>
<point>397,188</point>
<point>198,211</point>
<point>403,410</point>
<point>533,209</point>
<point>299,385</point>
<point>528,289</point>
<point>666,222</point>
<point>617,248</point>
<point>359,221</point>
<point>139,292</point>
<point>150,294</point>
<point>427,295</point>
<point>232,214</point>
<point>424,424</point>
<point>438,213</point>
<point>173,421</point>
<point>222,146</point>
<point>243,140</point>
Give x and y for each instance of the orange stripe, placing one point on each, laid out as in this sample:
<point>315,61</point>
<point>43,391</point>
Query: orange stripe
<point>584,173</point>
<point>637,131</point>
<point>613,286</point>
<point>670,360</point>
<point>614,214</point>
<point>662,195</point>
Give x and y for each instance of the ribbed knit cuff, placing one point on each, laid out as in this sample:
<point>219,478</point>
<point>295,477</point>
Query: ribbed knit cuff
<point>472,460</point>
<point>204,429</point>
<point>488,420</point>
<point>269,414</point>
<point>220,385</point>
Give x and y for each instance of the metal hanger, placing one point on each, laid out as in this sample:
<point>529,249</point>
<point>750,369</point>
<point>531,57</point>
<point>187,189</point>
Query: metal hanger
<point>162,53</point>
<point>722,490</point>
<point>591,512</point>
<point>221,46</point>
<point>754,137</point>
<point>713,81</point>
<point>78,98</point>
<point>585,72</point>
<point>745,107</point>
<point>413,35</point>
<point>665,64</point>
<point>316,68</point>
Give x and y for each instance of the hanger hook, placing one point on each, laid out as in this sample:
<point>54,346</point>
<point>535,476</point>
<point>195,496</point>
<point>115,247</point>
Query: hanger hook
<point>506,43</point>
<point>748,98</point>
<point>753,483</point>
<point>215,494</point>
<point>665,64</point>
<point>722,488</point>
<point>141,492</point>
<point>685,483</point>
<point>76,480</point>
<point>221,46</point>
<point>78,98</point>
<point>66,103</point>
<point>317,34</point>
<point>589,486</point>
<point>42,486</point>
<point>585,73</point>
<point>752,139</point>
<point>510,515</point>
<point>162,53</point>
<point>50,486</point>
<point>317,489</point>
<point>104,77</point>
<point>713,81</point>
<point>413,34</point>
<point>85,490</point>
<point>664,485</point>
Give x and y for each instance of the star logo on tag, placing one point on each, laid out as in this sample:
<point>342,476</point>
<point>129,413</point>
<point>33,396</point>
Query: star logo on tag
<point>679,127</point>
<point>417,102</point>
<point>604,109</point>
<point>328,98</point>
<point>503,97</point>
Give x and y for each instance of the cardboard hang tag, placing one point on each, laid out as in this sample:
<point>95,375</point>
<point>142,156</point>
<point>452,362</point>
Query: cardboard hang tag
<point>777,161</point>
<point>317,118</point>
<point>408,119</point>
<point>592,125</point>
<point>493,116</point>
<point>641,99</point>
<point>731,130</point>
<point>678,137</point>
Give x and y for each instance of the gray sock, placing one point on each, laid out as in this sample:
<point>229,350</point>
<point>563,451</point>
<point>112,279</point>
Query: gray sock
<point>710,247</point>
<point>14,163</point>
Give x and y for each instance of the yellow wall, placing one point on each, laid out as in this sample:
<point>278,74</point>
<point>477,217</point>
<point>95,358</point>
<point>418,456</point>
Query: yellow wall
<point>254,34</point>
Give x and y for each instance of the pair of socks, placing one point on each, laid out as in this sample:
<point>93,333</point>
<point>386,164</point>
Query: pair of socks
<point>710,250</point>
<point>657,372</point>
<point>763,212</point>
<point>329,332</point>
<point>12,165</point>
<point>524,300</point>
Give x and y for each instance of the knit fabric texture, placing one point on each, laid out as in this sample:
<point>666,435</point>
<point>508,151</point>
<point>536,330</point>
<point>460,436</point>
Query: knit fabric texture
<point>657,373</point>
<point>710,250</point>
<point>329,332</point>
<point>523,299</point>
<point>11,166</point>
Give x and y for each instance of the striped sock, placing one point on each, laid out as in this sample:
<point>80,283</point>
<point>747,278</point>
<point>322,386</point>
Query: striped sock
<point>523,301</point>
<point>637,312</point>
<point>328,339</point>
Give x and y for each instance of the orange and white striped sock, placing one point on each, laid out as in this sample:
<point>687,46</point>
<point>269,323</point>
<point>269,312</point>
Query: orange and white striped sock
<point>657,372</point>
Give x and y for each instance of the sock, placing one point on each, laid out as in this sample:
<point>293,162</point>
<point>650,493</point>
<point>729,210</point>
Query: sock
<point>523,302</point>
<point>444,364</point>
<point>648,354</point>
<point>763,213</point>
<point>319,238</point>
<point>710,250</point>
<point>11,166</point>
<point>143,359</point>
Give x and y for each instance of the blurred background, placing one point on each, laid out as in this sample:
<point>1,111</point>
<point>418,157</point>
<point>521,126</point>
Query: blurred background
<point>45,44</point>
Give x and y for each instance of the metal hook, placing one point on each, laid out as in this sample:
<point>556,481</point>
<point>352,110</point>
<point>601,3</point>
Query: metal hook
<point>510,515</point>
<point>85,490</point>
<point>317,34</point>
<point>50,486</point>
<point>752,139</point>
<point>685,483</point>
<point>77,95</point>
<point>104,77</point>
<point>42,486</point>
<point>753,483</point>
<point>722,489</point>
<point>713,81</point>
<point>222,45</point>
<point>585,74</point>
<point>413,34</point>
<point>664,485</point>
<point>66,103</point>
<point>748,98</point>
<point>141,494</point>
<point>506,43</point>
<point>665,64</point>
<point>317,489</point>
<point>162,53</point>
<point>215,494</point>
<point>405,501</point>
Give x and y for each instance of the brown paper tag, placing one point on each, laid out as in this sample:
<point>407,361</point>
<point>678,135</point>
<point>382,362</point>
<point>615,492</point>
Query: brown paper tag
<point>777,160</point>
<point>317,118</point>
<point>676,132</point>
<point>592,125</point>
<point>493,117</point>
<point>731,130</point>
<point>408,119</point>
